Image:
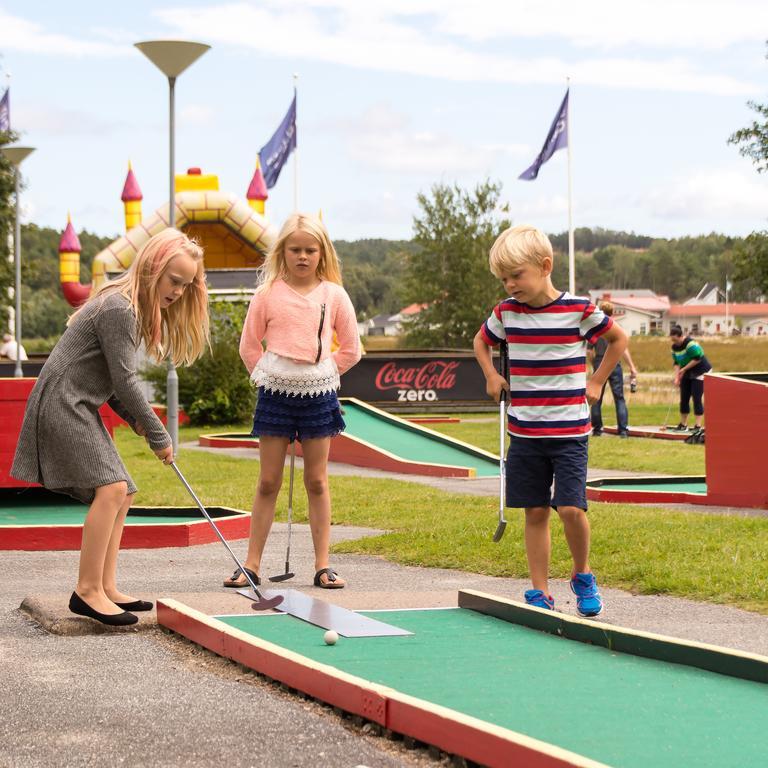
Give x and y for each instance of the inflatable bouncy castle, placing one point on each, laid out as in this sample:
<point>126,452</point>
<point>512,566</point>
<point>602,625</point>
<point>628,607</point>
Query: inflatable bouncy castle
<point>233,231</point>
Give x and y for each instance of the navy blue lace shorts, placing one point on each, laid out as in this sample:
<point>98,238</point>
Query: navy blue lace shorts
<point>297,416</point>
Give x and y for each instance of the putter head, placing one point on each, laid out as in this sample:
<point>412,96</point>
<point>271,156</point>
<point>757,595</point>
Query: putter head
<point>266,604</point>
<point>499,530</point>
<point>282,577</point>
<point>261,602</point>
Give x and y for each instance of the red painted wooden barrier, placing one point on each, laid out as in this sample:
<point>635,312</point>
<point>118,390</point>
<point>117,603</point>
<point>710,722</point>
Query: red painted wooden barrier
<point>13,400</point>
<point>736,432</point>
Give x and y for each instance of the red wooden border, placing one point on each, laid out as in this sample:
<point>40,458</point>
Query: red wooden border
<point>348,450</point>
<point>68,537</point>
<point>737,422</point>
<point>635,432</point>
<point>636,496</point>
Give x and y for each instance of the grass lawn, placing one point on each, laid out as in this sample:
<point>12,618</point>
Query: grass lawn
<point>645,550</point>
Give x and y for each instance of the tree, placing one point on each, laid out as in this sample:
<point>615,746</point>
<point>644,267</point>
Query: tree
<point>751,255</point>
<point>750,259</point>
<point>7,222</point>
<point>754,138</point>
<point>216,388</point>
<point>449,270</point>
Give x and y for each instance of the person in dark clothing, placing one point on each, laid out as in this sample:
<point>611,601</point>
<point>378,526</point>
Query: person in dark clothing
<point>690,366</point>
<point>616,381</point>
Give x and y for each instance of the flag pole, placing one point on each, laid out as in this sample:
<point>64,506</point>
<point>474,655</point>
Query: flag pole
<point>726,305</point>
<point>296,148</point>
<point>11,243</point>
<point>571,253</point>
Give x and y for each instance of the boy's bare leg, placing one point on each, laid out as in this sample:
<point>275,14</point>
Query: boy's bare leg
<point>538,545</point>
<point>109,579</point>
<point>576,529</point>
<point>272,452</point>
<point>97,530</point>
<point>319,496</point>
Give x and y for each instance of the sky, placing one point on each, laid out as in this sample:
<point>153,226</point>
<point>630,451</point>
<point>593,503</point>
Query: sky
<point>393,98</point>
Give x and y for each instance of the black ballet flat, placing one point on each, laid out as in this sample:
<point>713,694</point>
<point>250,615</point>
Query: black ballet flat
<point>81,608</point>
<point>136,605</point>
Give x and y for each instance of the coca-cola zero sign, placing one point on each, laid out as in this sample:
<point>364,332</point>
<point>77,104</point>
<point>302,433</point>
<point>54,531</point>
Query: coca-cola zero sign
<point>408,379</point>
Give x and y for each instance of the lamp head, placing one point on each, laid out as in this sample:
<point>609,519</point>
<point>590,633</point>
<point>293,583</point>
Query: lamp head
<point>172,57</point>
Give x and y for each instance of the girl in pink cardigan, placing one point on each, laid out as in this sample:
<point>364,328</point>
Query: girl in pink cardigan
<point>296,310</point>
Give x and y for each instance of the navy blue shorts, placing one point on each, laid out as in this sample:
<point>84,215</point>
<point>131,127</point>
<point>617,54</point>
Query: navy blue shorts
<point>297,416</point>
<point>532,464</point>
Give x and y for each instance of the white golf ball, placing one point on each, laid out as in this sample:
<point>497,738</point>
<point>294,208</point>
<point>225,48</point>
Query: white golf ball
<point>330,637</point>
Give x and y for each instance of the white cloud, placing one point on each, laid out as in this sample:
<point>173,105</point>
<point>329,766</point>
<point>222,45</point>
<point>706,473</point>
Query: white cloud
<point>382,139</point>
<point>605,24</point>
<point>197,114</point>
<point>455,40</point>
<point>388,37</point>
<point>717,194</point>
<point>60,121</point>
<point>18,34</point>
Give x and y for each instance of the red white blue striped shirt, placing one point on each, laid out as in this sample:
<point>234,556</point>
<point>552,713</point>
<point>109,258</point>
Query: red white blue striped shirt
<point>547,363</point>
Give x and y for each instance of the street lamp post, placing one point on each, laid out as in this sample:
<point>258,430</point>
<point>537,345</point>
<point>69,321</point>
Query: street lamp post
<point>172,57</point>
<point>15,156</point>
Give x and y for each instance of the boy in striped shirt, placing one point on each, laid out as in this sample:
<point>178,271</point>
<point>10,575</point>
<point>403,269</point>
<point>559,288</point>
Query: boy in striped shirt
<point>546,332</point>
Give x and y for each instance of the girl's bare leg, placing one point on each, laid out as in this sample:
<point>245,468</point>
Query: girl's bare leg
<point>316,482</point>
<point>109,578</point>
<point>272,452</point>
<point>97,532</point>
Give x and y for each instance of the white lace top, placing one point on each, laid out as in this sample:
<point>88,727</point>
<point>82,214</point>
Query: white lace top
<point>286,376</point>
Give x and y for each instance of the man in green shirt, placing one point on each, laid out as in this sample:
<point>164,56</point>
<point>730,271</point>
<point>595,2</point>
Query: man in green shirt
<point>690,366</point>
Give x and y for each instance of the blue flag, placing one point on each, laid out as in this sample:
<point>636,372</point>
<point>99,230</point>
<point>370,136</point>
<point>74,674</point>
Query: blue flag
<point>5,111</point>
<point>557,138</point>
<point>275,152</point>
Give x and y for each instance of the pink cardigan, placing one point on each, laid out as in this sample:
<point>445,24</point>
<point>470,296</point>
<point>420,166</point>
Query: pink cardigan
<point>289,323</point>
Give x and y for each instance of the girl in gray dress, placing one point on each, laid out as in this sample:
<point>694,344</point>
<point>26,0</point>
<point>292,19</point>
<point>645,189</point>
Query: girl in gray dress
<point>161,300</point>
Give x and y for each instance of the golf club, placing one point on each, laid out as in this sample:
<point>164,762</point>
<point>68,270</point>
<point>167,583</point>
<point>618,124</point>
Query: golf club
<point>504,365</point>
<point>666,418</point>
<point>288,575</point>
<point>263,603</point>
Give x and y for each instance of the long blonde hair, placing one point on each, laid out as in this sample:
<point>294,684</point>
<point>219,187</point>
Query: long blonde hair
<point>179,332</point>
<point>328,268</point>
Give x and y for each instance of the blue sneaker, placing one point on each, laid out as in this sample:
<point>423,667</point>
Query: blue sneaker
<point>538,599</point>
<point>588,600</point>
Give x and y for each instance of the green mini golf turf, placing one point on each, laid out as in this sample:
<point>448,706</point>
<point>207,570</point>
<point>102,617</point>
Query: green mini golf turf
<point>74,514</point>
<point>412,444</point>
<point>679,486</point>
<point>619,709</point>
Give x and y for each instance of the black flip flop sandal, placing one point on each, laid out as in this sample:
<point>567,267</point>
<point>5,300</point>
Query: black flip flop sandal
<point>332,578</point>
<point>233,581</point>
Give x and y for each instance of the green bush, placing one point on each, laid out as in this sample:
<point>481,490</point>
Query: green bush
<point>216,389</point>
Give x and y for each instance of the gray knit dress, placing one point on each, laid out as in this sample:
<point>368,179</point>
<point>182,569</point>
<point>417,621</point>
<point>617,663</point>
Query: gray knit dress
<point>63,444</point>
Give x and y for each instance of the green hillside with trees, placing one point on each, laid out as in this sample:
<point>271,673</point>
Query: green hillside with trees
<point>447,259</point>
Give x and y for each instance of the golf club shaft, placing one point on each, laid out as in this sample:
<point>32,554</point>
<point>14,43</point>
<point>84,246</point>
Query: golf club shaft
<point>290,506</point>
<point>502,463</point>
<point>504,370</point>
<point>215,527</point>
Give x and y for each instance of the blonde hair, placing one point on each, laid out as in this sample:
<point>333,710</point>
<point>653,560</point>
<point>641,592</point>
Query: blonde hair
<point>519,245</point>
<point>179,332</point>
<point>328,268</point>
<point>607,307</point>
